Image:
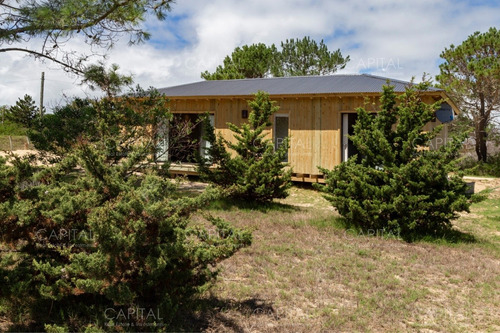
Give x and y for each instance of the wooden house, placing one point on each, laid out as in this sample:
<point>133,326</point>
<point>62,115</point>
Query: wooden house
<point>315,112</point>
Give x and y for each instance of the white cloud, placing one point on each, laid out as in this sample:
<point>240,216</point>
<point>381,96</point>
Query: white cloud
<point>385,37</point>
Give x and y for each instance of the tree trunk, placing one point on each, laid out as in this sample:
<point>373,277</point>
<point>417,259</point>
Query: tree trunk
<point>481,149</point>
<point>481,145</point>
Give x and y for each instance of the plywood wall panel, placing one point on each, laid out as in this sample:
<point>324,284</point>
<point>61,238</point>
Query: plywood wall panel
<point>314,124</point>
<point>330,133</point>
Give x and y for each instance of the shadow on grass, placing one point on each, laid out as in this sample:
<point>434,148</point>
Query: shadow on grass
<point>72,312</point>
<point>196,315</point>
<point>214,313</point>
<point>448,236</point>
<point>445,236</point>
<point>230,204</point>
<point>307,186</point>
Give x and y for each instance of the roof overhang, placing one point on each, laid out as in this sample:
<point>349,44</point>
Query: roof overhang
<point>448,100</point>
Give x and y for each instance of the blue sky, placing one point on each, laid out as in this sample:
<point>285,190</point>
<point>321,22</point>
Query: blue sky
<point>393,38</point>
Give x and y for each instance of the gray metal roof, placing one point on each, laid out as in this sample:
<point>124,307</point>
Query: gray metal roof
<point>296,85</point>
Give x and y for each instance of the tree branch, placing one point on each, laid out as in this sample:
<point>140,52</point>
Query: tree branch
<point>77,27</point>
<point>41,55</point>
<point>2,4</point>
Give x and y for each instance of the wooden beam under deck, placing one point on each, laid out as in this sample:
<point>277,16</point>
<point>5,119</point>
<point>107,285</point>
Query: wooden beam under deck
<point>189,169</point>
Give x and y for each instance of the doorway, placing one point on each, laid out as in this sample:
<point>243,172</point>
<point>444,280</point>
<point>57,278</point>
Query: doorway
<point>348,148</point>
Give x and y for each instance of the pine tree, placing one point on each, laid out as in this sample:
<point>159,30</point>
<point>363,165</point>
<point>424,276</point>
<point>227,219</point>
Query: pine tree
<point>397,184</point>
<point>24,112</point>
<point>99,23</point>
<point>101,231</point>
<point>248,61</point>
<point>470,73</point>
<point>257,171</point>
<point>297,57</point>
<point>301,57</point>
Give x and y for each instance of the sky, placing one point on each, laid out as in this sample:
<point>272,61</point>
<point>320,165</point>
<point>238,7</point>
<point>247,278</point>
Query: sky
<point>391,38</point>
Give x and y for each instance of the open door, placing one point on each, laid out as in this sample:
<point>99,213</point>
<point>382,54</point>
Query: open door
<point>348,148</point>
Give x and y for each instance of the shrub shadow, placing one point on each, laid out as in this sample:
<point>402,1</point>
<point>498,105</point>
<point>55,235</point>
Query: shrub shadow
<point>264,207</point>
<point>212,312</point>
<point>197,315</point>
<point>449,235</point>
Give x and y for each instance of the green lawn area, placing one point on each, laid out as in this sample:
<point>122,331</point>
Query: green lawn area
<point>305,273</point>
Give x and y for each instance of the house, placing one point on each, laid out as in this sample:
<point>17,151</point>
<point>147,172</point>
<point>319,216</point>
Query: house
<point>316,112</point>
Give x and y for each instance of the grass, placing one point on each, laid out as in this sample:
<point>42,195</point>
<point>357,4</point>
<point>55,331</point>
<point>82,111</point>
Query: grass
<point>306,273</point>
<point>484,222</point>
<point>19,142</point>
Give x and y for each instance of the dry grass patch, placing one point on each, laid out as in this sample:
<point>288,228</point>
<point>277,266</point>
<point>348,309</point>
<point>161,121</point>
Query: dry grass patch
<point>16,142</point>
<point>304,273</point>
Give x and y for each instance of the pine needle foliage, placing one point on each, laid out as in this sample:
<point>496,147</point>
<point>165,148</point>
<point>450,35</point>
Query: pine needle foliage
<point>24,112</point>
<point>297,57</point>
<point>256,170</point>
<point>98,242</point>
<point>396,183</point>
<point>470,73</point>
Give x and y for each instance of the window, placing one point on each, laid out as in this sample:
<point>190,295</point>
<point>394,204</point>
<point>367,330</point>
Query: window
<point>162,142</point>
<point>204,144</point>
<point>181,139</point>
<point>348,147</point>
<point>280,131</point>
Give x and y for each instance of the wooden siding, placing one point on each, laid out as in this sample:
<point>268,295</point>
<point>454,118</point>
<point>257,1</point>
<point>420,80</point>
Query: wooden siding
<point>314,125</point>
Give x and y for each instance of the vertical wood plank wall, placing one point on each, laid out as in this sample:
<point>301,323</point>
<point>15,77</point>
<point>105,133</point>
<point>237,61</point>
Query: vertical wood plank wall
<point>314,124</point>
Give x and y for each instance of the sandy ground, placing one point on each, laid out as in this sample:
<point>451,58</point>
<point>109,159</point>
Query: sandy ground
<point>18,152</point>
<point>482,183</point>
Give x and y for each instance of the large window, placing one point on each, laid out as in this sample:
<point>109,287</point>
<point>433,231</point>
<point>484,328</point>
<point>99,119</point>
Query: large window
<point>181,139</point>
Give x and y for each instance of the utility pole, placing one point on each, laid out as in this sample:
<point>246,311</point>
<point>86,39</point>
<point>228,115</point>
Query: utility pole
<point>41,94</point>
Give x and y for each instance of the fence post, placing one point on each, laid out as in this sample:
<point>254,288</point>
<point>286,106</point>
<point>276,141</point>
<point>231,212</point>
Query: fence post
<point>10,141</point>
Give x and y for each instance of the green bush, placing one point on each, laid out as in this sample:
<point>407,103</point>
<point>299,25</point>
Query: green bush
<point>257,171</point>
<point>58,132</point>
<point>104,244</point>
<point>395,184</point>
<point>12,128</point>
<point>471,166</point>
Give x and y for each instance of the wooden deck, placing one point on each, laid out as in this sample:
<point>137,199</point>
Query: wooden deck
<point>189,169</point>
<point>183,169</point>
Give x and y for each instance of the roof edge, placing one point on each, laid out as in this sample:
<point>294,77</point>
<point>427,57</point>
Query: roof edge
<point>311,95</point>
